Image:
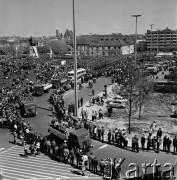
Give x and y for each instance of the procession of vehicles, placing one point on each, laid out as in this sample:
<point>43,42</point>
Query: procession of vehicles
<point>27,107</point>
<point>40,89</point>
<point>79,138</point>
<point>80,73</point>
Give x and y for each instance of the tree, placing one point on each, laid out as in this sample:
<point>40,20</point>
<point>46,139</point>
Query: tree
<point>131,76</point>
<point>59,47</point>
<point>44,49</point>
<point>144,88</point>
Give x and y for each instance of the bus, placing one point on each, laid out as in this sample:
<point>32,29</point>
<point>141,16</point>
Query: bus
<point>80,73</point>
<point>165,86</point>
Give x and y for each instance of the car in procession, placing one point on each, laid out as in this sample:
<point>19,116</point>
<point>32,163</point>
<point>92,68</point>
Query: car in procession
<point>27,107</point>
<point>79,138</point>
<point>40,89</point>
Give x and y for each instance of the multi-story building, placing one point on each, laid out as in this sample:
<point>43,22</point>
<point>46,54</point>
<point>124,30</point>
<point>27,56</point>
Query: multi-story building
<point>162,40</point>
<point>103,45</point>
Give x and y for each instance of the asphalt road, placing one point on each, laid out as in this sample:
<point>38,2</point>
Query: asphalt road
<point>100,150</point>
<point>44,114</point>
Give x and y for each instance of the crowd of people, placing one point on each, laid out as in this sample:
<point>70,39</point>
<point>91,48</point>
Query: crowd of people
<point>41,70</point>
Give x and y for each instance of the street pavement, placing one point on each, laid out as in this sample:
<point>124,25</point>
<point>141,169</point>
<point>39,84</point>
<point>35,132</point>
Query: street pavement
<point>17,167</point>
<point>40,166</point>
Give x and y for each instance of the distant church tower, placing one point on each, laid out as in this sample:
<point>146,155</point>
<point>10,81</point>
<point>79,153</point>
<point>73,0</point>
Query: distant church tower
<point>57,34</point>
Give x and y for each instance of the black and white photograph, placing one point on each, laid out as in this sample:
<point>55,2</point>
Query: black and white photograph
<point>88,89</point>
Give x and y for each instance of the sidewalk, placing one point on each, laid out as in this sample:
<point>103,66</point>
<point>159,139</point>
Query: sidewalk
<point>121,121</point>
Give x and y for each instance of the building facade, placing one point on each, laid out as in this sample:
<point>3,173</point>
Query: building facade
<point>162,40</point>
<point>102,45</point>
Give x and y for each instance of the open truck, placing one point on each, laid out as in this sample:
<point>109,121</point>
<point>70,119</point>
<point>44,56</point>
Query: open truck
<point>27,107</point>
<point>79,138</point>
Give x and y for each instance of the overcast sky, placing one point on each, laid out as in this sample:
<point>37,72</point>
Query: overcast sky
<point>43,17</point>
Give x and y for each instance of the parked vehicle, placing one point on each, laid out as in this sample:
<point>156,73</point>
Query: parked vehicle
<point>117,104</point>
<point>117,98</point>
<point>165,86</point>
<point>152,70</point>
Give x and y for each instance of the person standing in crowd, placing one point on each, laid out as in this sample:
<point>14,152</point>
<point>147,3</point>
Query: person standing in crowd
<point>71,156</point>
<point>149,142</point>
<point>85,158</point>
<point>93,91</point>
<point>38,147</point>
<point>25,150</point>
<point>82,164</point>
<point>135,144</point>
<point>168,144</point>
<point>90,159</point>
<point>99,133</point>
<point>95,165</point>
<point>15,137</point>
<point>32,149</point>
<point>93,115</point>
<point>159,142</point>
<point>153,126</point>
<point>100,111</point>
<point>95,132</point>
<point>159,133</point>
<point>175,144</point>
<point>78,155</point>
<point>53,111</point>
<point>102,166</point>
<point>81,101</point>
<point>65,154</point>
<point>102,134</point>
<point>165,143</point>
<point>154,140</point>
<point>143,140</point>
<point>109,136</point>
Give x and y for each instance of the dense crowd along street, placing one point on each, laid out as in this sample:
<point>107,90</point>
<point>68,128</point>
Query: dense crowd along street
<point>32,143</point>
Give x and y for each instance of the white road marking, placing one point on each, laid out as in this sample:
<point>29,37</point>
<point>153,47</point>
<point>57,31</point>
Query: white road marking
<point>39,167</point>
<point>9,149</point>
<point>31,172</point>
<point>101,147</point>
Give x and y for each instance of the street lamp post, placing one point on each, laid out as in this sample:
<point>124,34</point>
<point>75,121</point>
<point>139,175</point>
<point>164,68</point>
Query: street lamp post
<point>136,16</point>
<point>151,39</point>
<point>75,65</point>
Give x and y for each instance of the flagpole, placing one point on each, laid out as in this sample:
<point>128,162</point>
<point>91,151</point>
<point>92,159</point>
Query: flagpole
<point>75,65</point>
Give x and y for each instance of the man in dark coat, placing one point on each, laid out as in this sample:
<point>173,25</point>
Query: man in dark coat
<point>175,144</point>
<point>143,140</point>
<point>159,133</point>
<point>81,101</point>
<point>168,144</point>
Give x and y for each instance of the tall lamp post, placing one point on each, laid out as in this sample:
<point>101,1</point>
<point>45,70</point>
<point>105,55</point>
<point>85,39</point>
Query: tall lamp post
<point>75,65</point>
<point>151,39</point>
<point>136,16</point>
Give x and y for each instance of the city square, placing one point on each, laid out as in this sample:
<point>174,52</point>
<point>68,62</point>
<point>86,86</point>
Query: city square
<point>94,100</point>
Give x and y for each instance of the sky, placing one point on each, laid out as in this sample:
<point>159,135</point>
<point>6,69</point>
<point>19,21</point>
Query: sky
<point>42,17</point>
